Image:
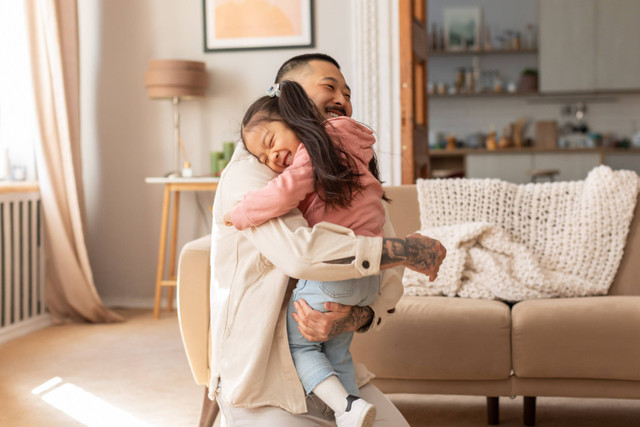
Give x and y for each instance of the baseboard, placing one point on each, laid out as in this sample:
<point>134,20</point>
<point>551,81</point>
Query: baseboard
<point>25,327</point>
<point>124,302</point>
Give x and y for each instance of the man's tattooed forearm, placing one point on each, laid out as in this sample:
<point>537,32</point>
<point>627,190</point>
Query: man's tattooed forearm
<point>360,318</point>
<point>394,251</point>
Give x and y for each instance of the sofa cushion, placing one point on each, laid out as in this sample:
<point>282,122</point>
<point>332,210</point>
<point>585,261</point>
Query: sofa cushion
<point>440,338</point>
<point>591,338</point>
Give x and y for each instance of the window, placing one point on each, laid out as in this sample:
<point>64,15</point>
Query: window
<point>17,113</point>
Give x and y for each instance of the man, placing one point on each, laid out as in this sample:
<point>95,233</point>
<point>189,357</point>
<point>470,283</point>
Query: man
<point>252,372</point>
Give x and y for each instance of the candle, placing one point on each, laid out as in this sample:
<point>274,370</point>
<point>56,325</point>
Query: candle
<point>228,148</point>
<point>222,163</point>
<point>214,157</point>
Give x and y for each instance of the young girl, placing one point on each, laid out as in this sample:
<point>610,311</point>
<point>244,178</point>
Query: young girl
<point>327,170</point>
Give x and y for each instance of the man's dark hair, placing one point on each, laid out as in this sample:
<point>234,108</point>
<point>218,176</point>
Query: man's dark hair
<point>335,173</point>
<point>300,61</point>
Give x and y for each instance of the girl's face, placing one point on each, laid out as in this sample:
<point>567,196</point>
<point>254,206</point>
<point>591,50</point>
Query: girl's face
<point>273,143</point>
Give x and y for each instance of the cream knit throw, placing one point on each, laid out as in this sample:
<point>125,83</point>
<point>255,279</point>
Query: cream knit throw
<point>515,242</point>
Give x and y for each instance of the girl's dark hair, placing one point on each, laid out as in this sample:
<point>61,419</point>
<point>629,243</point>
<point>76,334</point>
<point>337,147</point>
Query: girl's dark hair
<point>335,173</point>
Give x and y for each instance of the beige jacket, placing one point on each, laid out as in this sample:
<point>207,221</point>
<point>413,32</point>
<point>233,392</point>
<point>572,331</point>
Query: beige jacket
<point>249,279</point>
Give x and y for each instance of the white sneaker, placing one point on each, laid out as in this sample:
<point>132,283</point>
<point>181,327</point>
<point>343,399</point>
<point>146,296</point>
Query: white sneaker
<point>361,414</point>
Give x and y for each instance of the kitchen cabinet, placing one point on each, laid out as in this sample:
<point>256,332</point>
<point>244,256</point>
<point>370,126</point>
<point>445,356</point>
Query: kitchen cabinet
<point>588,45</point>
<point>618,62</point>
<point>514,167</point>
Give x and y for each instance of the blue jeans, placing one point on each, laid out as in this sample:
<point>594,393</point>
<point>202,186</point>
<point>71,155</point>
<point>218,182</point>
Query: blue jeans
<point>316,361</point>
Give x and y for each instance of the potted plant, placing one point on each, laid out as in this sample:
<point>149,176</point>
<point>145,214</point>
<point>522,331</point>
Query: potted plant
<point>529,80</point>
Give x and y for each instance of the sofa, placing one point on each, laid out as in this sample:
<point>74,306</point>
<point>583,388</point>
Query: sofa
<point>571,347</point>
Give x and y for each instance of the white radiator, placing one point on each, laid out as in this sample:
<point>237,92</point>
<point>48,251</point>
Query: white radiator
<point>22,307</point>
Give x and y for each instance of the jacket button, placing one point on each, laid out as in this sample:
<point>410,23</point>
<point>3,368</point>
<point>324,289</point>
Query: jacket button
<point>365,264</point>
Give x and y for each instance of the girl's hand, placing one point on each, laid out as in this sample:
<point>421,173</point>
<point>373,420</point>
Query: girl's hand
<point>227,220</point>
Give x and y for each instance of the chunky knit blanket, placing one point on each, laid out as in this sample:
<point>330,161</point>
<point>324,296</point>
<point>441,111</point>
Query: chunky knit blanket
<point>514,242</point>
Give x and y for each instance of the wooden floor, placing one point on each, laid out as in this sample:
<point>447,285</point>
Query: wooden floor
<point>135,373</point>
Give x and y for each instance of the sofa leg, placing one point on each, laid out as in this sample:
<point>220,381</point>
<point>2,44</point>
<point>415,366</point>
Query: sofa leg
<point>210,410</point>
<point>530,410</point>
<point>493,410</point>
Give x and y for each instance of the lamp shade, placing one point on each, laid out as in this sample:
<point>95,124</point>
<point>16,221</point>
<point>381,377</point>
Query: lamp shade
<point>169,78</point>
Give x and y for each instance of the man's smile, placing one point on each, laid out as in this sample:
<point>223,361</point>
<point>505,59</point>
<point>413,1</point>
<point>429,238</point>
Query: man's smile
<point>335,112</point>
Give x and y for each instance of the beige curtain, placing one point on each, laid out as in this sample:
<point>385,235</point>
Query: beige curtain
<point>53,39</point>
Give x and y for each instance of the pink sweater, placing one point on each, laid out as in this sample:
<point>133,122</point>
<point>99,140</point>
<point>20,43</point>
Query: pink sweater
<point>294,188</point>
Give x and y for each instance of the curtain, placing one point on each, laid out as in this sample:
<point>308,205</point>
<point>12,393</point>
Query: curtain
<point>53,38</point>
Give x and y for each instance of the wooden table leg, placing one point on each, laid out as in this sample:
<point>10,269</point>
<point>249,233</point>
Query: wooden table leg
<point>174,244</point>
<point>161,252</point>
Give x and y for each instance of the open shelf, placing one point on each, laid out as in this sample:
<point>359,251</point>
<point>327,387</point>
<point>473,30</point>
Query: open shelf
<point>482,52</point>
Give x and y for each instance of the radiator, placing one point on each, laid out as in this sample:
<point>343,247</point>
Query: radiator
<point>22,306</point>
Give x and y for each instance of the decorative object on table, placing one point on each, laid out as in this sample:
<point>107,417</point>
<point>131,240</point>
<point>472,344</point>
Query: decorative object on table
<point>187,170</point>
<point>227,149</point>
<point>437,140</point>
<point>491,140</point>
<point>519,128</point>
<point>529,80</point>
<point>546,134</point>
<point>177,80</point>
<point>487,38</point>
<point>475,140</point>
<point>460,79</point>
<point>505,138</point>
<point>462,28</point>
<point>451,142</point>
<point>18,173</point>
<point>242,25</point>
<point>214,157</point>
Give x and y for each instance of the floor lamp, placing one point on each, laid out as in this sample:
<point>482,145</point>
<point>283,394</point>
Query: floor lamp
<point>178,81</point>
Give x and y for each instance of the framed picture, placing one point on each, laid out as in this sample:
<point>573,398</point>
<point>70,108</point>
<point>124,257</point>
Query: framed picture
<point>257,24</point>
<point>462,28</point>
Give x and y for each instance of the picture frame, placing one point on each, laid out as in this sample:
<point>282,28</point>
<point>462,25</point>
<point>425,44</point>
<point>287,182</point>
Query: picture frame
<point>462,28</point>
<point>230,25</point>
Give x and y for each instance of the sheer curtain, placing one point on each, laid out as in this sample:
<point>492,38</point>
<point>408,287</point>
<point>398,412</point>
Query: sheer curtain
<point>53,40</point>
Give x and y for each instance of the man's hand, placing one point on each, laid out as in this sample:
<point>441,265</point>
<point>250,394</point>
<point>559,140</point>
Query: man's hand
<point>417,252</point>
<point>424,254</point>
<point>317,326</point>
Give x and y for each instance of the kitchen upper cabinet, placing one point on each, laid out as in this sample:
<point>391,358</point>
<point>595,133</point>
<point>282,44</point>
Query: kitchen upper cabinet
<point>567,53</point>
<point>589,45</point>
<point>618,61</point>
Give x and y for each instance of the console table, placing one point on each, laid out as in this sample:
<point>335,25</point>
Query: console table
<point>173,186</point>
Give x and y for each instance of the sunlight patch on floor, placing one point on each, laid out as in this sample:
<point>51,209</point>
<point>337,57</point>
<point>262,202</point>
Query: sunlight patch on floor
<point>83,406</point>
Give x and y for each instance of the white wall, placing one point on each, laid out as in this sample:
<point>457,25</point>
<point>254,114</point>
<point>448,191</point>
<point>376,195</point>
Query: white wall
<point>127,137</point>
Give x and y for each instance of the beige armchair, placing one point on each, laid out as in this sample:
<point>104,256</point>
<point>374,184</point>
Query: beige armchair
<point>193,316</point>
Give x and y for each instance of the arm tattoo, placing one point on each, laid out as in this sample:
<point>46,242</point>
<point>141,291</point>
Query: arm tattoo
<point>360,318</point>
<point>394,252</point>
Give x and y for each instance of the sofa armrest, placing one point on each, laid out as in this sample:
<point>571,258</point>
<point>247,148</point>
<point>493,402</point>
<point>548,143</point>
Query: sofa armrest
<point>194,274</point>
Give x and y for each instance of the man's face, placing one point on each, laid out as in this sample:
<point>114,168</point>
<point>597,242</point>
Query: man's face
<point>326,87</point>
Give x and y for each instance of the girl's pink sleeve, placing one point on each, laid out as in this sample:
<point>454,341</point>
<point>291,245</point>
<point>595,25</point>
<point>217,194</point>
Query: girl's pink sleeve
<point>278,197</point>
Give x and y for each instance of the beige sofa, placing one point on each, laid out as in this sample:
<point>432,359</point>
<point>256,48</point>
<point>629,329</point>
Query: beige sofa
<point>574,347</point>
